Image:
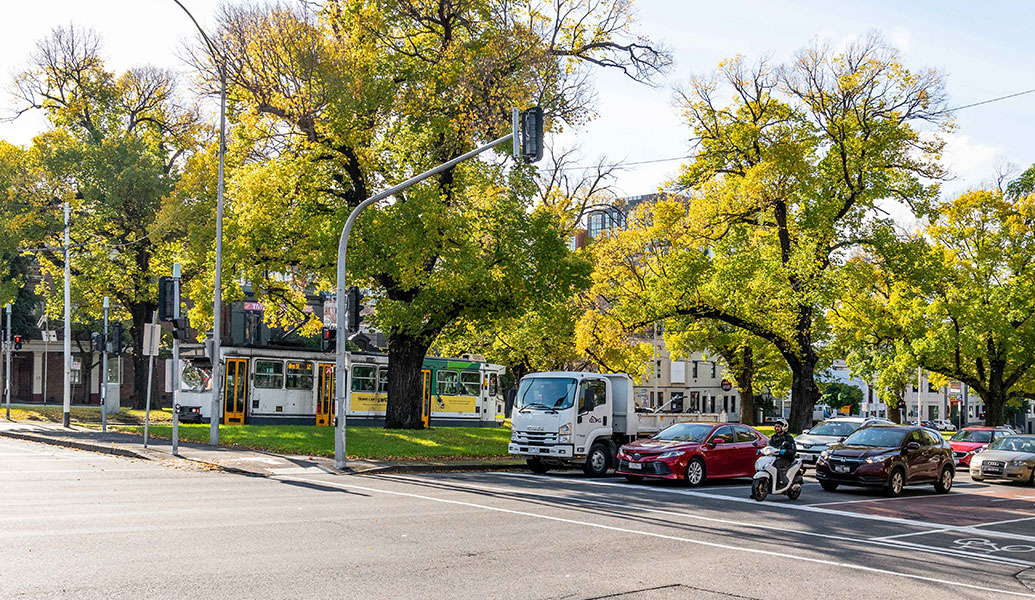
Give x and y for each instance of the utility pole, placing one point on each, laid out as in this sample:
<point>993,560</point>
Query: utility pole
<point>151,331</point>
<point>67,392</point>
<point>526,127</point>
<point>104,369</point>
<point>654,374</point>
<point>176,361</point>
<point>7,361</point>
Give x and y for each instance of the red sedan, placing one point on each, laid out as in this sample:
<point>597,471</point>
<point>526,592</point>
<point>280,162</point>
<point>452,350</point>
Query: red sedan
<point>968,440</point>
<point>694,452</point>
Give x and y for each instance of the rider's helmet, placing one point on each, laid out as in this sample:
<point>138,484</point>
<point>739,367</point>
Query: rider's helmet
<point>782,423</point>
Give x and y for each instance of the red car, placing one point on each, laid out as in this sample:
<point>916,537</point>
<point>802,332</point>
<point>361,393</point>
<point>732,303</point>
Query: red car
<point>969,439</point>
<point>694,452</point>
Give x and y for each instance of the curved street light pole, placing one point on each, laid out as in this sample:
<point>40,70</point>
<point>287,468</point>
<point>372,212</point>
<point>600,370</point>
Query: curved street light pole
<point>217,308</point>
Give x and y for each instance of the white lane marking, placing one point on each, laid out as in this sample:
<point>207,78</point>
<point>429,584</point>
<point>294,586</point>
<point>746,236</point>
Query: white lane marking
<point>98,470</point>
<point>1004,522</point>
<point>668,537</point>
<point>939,497</point>
<point>862,541</point>
<point>774,505</point>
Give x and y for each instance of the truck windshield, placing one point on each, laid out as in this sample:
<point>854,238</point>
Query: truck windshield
<point>685,432</point>
<point>546,393</point>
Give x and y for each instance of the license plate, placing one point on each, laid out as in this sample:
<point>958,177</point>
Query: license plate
<point>808,457</point>
<point>635,466</point>
<point>841,469</point>
<point>993,470</point>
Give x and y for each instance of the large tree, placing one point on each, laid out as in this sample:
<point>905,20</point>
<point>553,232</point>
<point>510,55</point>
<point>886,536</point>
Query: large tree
<point>113,151</point>
<point>332,106</point>
<point>789,168</point>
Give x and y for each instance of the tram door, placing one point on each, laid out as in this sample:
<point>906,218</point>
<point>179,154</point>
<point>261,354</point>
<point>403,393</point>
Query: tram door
<point>325,396</point>
<point>425,405</point>
<point>235,388</point>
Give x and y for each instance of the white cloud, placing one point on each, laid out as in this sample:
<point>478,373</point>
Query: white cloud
<point>901,38</point>
<point>968,162</point>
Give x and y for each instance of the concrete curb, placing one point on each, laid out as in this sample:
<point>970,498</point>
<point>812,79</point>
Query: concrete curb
<point>90,447</point>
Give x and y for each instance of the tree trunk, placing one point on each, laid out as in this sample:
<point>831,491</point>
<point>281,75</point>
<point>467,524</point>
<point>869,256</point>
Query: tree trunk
<point>405,360</point>
<point>995,407</point>
<point>804,392</point>
<point>745,383</point>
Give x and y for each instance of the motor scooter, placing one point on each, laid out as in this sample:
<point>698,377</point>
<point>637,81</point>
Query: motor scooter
<point>766,477</point>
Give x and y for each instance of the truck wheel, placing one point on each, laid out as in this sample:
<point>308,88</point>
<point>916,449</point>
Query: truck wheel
<point>944,483</point>
<point>829,486</point>
<point>597,462</point>
<point>536,465</point>
<point>634,478</point>
<point>695,472</point>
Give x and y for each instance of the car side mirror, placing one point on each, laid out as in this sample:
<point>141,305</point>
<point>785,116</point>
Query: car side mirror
<point>913,446</point>
<point>804,431</point>
<point>715,442</point>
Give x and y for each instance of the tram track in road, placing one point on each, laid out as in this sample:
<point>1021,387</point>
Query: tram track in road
<point>860,548</point>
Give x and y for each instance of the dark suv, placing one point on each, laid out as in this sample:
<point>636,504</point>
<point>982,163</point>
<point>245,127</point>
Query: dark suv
<point>890,457</point>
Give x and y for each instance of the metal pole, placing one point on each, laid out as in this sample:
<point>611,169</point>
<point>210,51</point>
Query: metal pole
<point>176,364</point>
<point>654,368</point>
<point>7,362</point>
<point>919,394</point>
<point>104,370</point>
<point>150,374</point>
<point>67,391</point>
<point>340,376</point>
<point>46,349</point>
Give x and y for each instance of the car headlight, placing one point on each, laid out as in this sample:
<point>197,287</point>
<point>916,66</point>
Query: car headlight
<point>563,429</point>
<point>564,438</point>
<point>878,459</point>
<point>824,454</point>
<point>672,454</point>
<point>1018,462</point>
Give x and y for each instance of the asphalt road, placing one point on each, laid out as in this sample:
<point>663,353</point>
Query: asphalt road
<point>75,524</point>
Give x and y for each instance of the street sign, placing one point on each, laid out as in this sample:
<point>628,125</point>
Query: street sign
<point>152,338</point>
<point>726,385</point>
<point>49,335</point>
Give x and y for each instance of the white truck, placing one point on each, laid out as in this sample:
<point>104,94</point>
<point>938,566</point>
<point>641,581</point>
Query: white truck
<point>568,418</point>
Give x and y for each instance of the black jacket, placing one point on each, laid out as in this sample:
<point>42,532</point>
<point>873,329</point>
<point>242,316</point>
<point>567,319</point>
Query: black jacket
<point>784,441</point>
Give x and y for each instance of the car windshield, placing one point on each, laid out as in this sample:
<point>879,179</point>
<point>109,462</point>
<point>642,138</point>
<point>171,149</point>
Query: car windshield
<point>1014,443</point>
<point>834,428</point>
<point>685,432</point>
<point>546,393</point>
<point>877,436</point>
<point>978,436</point>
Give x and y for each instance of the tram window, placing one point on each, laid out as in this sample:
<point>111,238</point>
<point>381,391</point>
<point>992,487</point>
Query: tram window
<point>448,382</point>
<point>363,378</point>
<point>382,379</point>
<point>269,374</point>
<point>299,376</point>
<point>494,385</point>
<point>471,382</point>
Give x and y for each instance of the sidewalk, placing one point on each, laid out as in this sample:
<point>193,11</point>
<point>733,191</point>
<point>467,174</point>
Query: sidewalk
<point>234,460</point>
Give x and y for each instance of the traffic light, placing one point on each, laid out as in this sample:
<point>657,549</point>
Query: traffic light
<point>97,342</point>
<point>328,339</point>
<point>354,307</point>
<point>532,134</point>
<point>116,339</point>
<point>17,342</point>
<point>166,299</point>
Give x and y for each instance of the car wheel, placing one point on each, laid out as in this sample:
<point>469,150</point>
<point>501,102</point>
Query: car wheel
<point>597,462</point>
<point>944,483</point>
<point>634,478</point>
<point>695,472</point>
<point>536,465</point>
<point>829,486</point>
<point>760,489</point>
<point>896,481</point>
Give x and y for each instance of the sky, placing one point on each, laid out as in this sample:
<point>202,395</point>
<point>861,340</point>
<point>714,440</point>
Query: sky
<point>983,52</point>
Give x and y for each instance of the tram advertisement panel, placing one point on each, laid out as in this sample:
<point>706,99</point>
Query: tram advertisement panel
<point>454,404</point>
<point>369,402</point>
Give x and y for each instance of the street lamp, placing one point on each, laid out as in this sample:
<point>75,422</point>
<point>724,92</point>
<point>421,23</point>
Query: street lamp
<point>217,295</point>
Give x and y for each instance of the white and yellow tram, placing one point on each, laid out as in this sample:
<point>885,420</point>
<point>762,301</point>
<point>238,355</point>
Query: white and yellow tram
<point>266,386</point>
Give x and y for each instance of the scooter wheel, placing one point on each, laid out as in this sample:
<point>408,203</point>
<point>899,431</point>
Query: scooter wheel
<point>760,489</point>
<point>794,492</point>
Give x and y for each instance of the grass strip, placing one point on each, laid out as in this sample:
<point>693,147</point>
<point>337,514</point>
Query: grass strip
<point>87,415</point>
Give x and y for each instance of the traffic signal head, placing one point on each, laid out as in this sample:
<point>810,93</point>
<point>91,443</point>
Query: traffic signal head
<point>116,338</point>
<point>166,299</point>
<point>328,339</point>
<point>17,342</point>
<point>354,308</point>
<point>532,134</point>
<point>97,342</point>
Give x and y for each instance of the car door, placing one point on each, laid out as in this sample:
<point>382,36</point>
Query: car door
<point>915,459</point>
<point>934,454</point>
<point>747,447</point>
<point>720,452</point>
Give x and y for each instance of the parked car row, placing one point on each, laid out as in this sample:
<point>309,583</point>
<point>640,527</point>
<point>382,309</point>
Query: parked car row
<point>846,451</point>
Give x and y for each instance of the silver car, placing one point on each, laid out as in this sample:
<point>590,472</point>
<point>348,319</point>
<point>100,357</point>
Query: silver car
<point>1011,457</point>
<point>813,441</point>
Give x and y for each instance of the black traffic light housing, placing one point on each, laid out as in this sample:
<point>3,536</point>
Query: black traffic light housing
<point>354,308</point>
<point>532,134</point>
<point>328,339</point>
<point>116,339</point>
<point>17,342</point>
<point>166,299</point>
<point>97,342</point>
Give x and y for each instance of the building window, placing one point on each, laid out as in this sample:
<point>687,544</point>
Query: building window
<point>363,378</point>
<point>695,369</point>
<point>733,404</point>
<point>299,376</point>
<point>269,374</point>
<point>713,370</point>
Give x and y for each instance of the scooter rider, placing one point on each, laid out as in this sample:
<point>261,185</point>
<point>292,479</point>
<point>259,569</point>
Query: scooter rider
<point>784,443</point>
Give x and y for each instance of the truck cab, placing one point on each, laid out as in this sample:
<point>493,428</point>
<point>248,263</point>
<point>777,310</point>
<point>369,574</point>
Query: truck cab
<point>572,418</point>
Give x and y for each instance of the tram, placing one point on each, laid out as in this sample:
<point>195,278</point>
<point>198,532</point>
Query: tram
<point>268,386</point>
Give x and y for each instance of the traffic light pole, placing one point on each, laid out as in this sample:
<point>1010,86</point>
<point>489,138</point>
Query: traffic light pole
<point>341,379</point>
<point>176,363</point>
<point>7,362</point>
<point>104,369</point>
<point>67,392</point>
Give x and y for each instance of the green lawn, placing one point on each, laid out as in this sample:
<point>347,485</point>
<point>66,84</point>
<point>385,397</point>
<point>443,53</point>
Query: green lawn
<point>85,415</point>
<point>363,442</point>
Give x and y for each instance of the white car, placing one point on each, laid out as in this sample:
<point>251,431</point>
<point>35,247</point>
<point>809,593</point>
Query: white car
<point>944,425</point>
